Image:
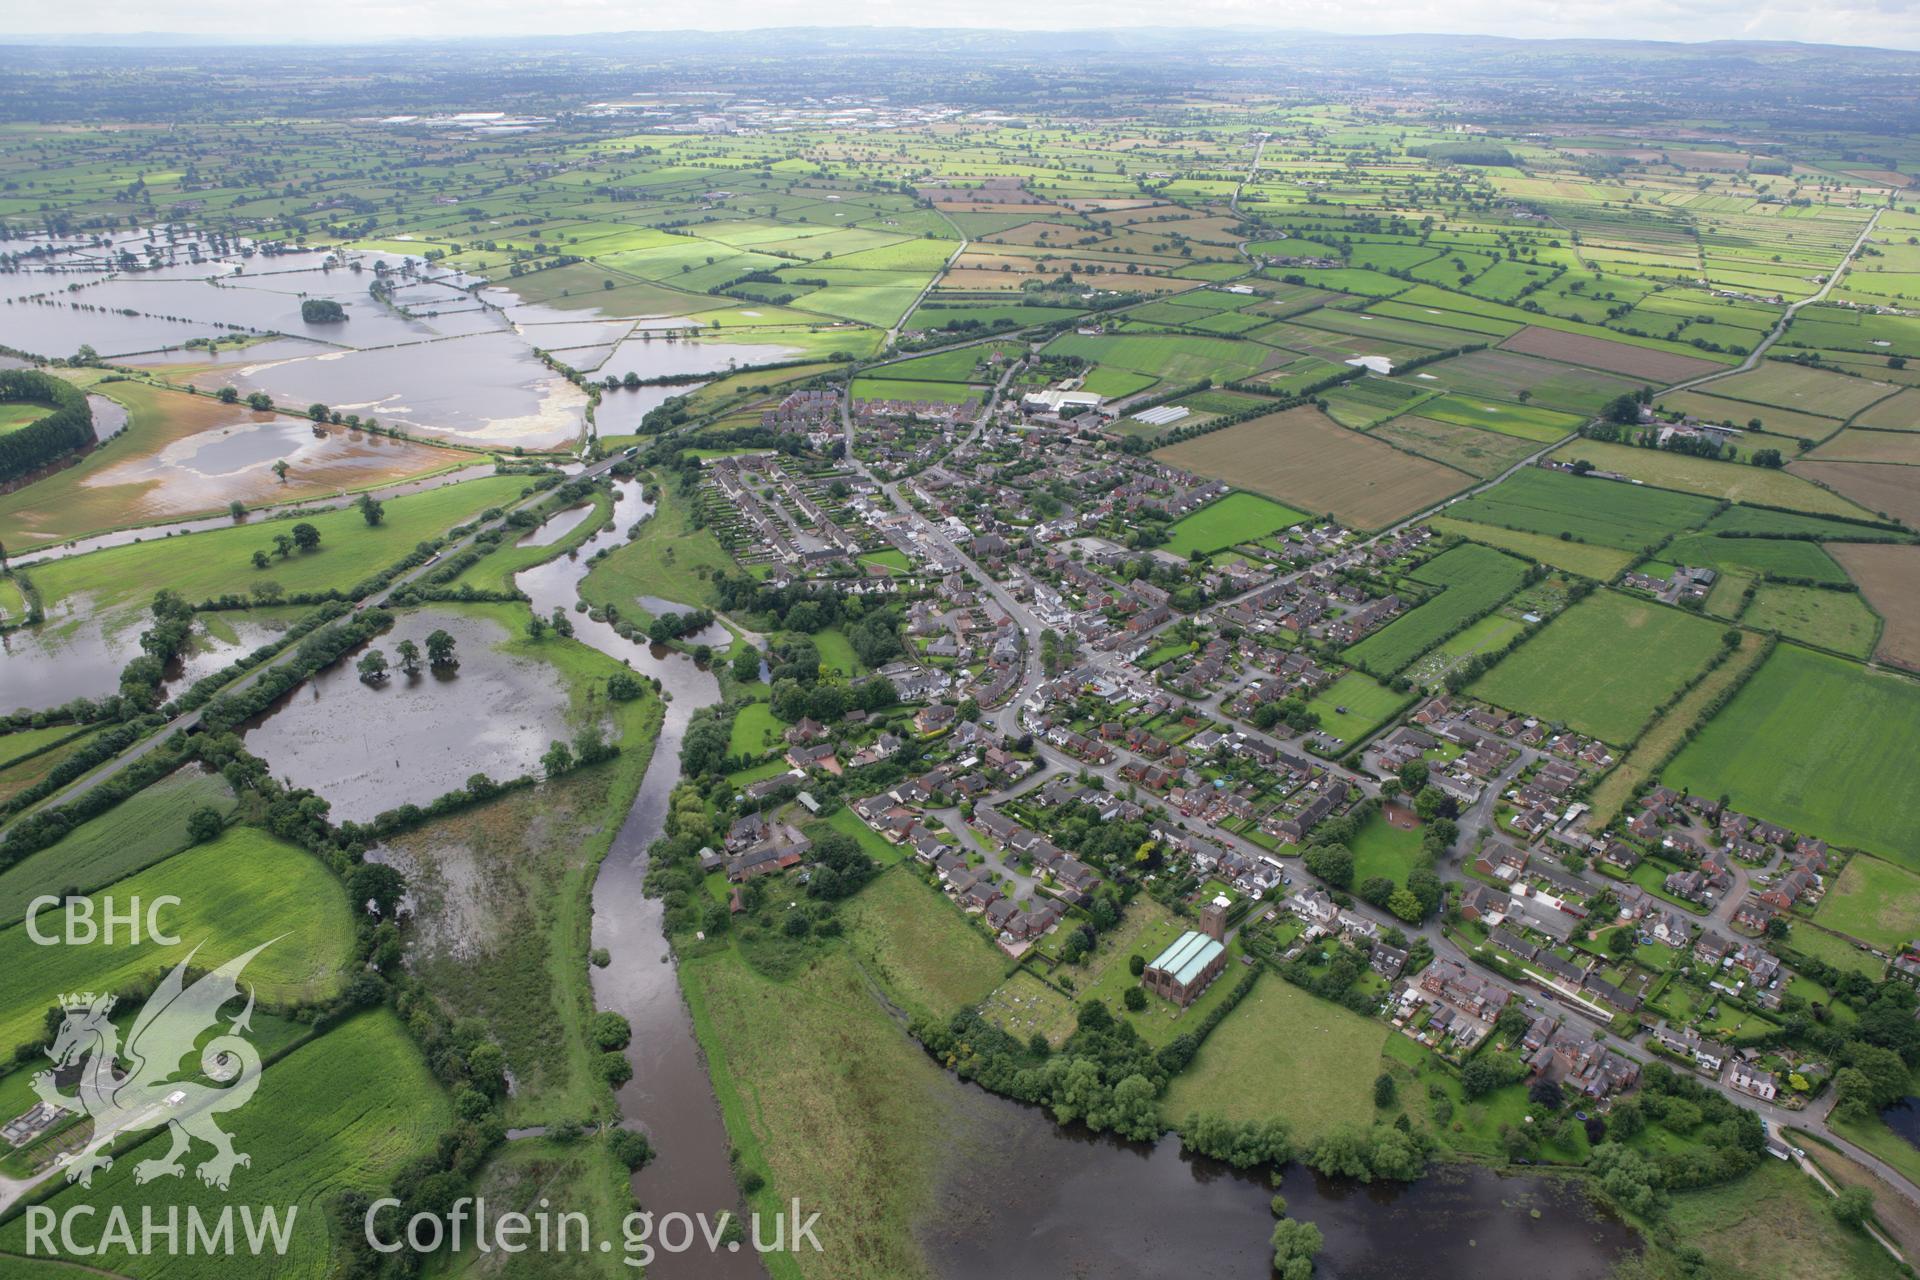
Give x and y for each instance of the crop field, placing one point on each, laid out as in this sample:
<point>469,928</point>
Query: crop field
<point>346,1111</point>
<point>235,892</point>
<point>1585,510</point>
<point>1174,358</point>
<point>1820,745</point>
<point>1888,491</point>
<point>1734,481</point>
<point>1283,1052</point>
<point>1303,459</point>
<point>1855,444</point>
<point>1889,578</point>
<point>1873,901</point>
<point>141,830</point>
<point>1228,522</point>
<point>1837,620</point>
<point>1478,453</point>
<point>1613,357</point>
<point>1898,412</point>
<point>1799,424</point>
<point>1473,579</point>
<point>1603,667</point>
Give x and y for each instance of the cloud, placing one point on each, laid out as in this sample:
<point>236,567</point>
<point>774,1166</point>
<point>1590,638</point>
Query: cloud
<point>1886,23</point>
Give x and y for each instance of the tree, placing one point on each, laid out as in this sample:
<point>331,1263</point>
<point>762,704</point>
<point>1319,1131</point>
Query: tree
<point>1406,906</point>
<point>746,664</point>
<point>409,654</point>
<point>228,395</point>
<point>306,537</point>
<point>260,560</point>
<point>322,311</point>
<point>1853,1206</point>
<point>1620,941</point>
<point>372,510</point>
<point>610,1030</point>
<point>440,655</point>
<point>557,760</point>
<point>1545,1093</point>
<point>282,545</point>
<point>377,885</point>
<point>280,469</point>
<point>1295,1245</point>
<point>372,667</point>
<point>1385,1092</point>
<point>1136,964</point>
<point>203,824</point>
<point>1135,999</point>
<point>1623,409</point>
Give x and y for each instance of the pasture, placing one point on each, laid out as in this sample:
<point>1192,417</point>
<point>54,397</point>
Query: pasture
<point>1733,481</point>
<point>1837,620</point>
<point>917,942</point>
<point>1589,561</point>
<point>1472,579</point>
<point>1821,745</point>
<point>1603,666</point>
<point>1229,521</point>
<point>1873,901</point>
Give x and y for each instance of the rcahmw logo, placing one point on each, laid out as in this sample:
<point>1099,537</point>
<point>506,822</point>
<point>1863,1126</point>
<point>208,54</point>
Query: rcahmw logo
<point>125,1090</point>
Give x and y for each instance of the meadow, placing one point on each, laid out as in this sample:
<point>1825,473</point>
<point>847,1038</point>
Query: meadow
<point>1283,1052</point>
<point>1733,481</point>
<point>1837,620</point>
<point>1873,901</point>
<point>1820,745</point>
<point>1603,666</point>
<point>1584,558</point>
<point>931,957</point>
<point>1472,579</point>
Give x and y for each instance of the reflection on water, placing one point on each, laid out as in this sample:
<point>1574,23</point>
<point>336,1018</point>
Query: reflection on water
<point>1903,1117</point>
<point>368,749</point>
<point>1025,1199</point>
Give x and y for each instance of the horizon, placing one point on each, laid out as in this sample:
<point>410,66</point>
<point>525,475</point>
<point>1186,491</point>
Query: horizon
<point>226,24</point>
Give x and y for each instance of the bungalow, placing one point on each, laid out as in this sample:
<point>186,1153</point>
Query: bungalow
<point>819,756</point>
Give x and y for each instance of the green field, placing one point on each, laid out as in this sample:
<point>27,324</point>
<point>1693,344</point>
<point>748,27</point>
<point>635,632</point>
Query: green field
<point>1779,557</point>
<point>1523,421</point>
<point>670,559</point>
<point>1473,579</point>
<point>1820,745</point>
<point>1775,1222</point>
<point>1354,706</point>
<point>901,389</point>
<point>346,1111</point>
<point>1603,667</point>
<point>138,832</point>
<point>235,892</point>
<point>218,562</point>
<point>1283,1052</point>
<point>1597,511</point>
<point>1837,620</point>
<point>836,652</point>
<point>755,729</point>
<point>1875,902</point>
<point>1382,849</point>
<point>1599,563</point>
<point>1734,481</point>
<point>1239,517</point>
<point>916,941</point>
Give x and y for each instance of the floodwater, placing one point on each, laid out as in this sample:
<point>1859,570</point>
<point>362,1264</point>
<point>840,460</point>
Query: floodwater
<point>557,526</point>
<point>713,635</point>
<point>1026,1199</point>
<point>109,417</point>
<point>658,357</point>
<point>621,412</point>
<point>1903,1117</point>
<point>78,655</point>
<point>415,738</point>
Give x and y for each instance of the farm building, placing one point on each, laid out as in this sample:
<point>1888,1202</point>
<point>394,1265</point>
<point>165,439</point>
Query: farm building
<point>1185,968</point>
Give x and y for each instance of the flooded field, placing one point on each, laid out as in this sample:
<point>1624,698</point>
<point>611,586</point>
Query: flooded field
<point>1081,1204</point>
<point>77,654</point>
<point>368,749</point>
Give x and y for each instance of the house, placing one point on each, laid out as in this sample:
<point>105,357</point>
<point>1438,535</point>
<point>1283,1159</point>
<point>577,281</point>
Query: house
<point>1752,1081</point>
<point>746,831</point>
<point>934,718</point>
<point>1755,913</point>
<point>1186,968</point>
<point>819,756</point>
<point>806,730</point>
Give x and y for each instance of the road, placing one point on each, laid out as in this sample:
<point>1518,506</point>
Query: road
<point>1759,352</point>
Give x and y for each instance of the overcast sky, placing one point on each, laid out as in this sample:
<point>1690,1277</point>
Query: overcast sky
<point>1886,23</point>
